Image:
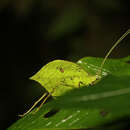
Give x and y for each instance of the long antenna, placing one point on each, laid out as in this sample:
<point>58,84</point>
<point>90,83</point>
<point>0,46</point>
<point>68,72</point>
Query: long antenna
<point>109,52</point>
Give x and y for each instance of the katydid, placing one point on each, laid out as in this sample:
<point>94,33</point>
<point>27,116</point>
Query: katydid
<point>60,76</point>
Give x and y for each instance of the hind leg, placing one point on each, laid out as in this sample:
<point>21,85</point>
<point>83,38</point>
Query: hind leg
<point>34,104</point>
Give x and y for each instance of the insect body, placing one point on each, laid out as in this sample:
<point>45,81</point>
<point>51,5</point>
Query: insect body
<point>57,82</point>
<point>60,76</point>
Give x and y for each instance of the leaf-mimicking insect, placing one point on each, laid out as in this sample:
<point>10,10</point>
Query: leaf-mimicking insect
<point>60,76</point>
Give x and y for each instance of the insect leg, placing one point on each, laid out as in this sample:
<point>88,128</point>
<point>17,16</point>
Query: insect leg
<point>34,105</point>
<point>43,102</point>
<point>80,83</point>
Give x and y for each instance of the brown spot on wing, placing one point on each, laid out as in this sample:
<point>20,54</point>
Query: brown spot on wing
<point>61,70</point>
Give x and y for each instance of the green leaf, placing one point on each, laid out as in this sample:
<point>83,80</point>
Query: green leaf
<point>87,107</point>
<point>117,67</point>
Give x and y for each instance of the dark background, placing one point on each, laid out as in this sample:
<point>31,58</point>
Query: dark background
<point>34,32</point>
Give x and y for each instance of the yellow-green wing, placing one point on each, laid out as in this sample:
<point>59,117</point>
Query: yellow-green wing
<point>60,76</point>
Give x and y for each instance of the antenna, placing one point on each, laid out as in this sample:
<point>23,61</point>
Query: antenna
<point>109,52</point>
